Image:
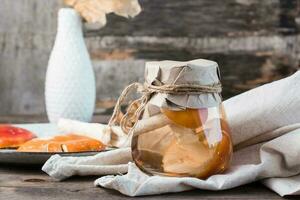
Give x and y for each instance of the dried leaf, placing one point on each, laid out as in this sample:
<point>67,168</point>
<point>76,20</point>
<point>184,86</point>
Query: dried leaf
<point>126,8</point>
<point>95,10</point>
<point>70,2</point>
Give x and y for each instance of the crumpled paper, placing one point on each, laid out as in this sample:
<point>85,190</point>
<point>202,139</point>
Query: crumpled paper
<point>265,124</point>
<point>194,72</point>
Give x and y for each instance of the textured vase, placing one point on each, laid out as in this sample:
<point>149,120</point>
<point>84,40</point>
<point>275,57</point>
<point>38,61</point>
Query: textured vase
<point>70,81</point>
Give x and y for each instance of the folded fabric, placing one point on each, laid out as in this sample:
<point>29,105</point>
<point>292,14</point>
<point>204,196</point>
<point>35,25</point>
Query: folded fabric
<point>264,109</point>
<point>277,160</point>
<point>265,124</point>
<point>110,162</point>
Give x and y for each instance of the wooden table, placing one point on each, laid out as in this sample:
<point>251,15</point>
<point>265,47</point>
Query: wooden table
<point>30,183</point>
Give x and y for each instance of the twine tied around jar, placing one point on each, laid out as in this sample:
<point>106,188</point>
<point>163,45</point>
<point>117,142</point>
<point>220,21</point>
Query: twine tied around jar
<point>135,109</point>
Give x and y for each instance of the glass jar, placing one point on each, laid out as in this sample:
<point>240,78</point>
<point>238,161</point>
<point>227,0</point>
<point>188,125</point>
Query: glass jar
<point>191,142</point>
<point>176,140</point>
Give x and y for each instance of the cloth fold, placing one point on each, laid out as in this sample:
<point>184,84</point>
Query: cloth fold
<point>265,125</point>
<point>110,162</point>
<point>278,159</point>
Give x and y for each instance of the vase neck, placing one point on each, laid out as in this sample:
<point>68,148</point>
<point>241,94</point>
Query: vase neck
<point>69,22</point>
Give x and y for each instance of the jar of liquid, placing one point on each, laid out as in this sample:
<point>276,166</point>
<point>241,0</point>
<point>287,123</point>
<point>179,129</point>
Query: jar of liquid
<point>184,134</point>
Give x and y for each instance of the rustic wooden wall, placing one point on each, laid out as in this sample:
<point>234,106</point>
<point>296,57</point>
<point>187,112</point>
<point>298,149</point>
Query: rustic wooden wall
<point>253,41</point>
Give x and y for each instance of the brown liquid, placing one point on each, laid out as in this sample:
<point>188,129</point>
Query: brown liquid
<point>197,143</point>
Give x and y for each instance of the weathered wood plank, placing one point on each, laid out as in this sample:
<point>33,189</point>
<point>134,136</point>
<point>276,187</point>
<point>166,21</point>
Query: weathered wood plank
<point>265,66</point>
<point>196,18</point>
<point>23,88</point>
<point>252,192</point>
<point>231,31</point>
<point>26,183</point>
<point>240,71</point>
<point>29,16</point>
<point>129,45</point>
<point>193,18</point>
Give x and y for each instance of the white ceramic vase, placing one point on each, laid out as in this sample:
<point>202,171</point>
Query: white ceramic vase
<point>70,81</point>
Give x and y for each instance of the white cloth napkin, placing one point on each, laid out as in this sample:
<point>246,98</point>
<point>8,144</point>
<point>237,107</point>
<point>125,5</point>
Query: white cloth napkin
<point>265,124</point>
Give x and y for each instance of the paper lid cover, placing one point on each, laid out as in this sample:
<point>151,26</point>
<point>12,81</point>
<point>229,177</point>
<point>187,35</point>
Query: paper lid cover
<point>200,71</point>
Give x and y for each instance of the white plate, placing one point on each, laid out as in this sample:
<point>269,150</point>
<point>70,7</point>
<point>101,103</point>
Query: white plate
<point>10,156</point>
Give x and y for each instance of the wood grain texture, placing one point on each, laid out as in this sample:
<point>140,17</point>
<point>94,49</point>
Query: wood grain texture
<point>253,41</point>
<point>29,183</point>
<point>192,18</point>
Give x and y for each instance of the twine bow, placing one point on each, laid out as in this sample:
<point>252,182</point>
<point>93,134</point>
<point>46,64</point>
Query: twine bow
<point>135,109</point>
